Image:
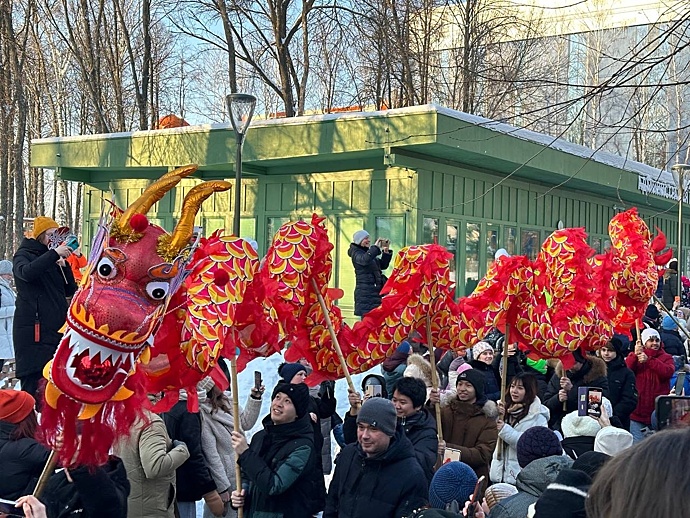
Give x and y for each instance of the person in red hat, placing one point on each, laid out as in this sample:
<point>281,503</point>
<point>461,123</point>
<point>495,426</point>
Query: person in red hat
<point>22,457</point>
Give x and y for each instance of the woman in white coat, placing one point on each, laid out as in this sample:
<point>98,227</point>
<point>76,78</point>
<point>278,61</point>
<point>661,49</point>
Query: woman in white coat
<point>7,300</point>
<point>520,409</point>
<point>217,424</point>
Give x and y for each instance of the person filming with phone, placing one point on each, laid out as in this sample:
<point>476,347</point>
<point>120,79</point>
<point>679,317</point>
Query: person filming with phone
<point>369,262</point>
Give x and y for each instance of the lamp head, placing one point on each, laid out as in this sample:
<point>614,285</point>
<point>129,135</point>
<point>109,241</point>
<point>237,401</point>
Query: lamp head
<point>241,110</point>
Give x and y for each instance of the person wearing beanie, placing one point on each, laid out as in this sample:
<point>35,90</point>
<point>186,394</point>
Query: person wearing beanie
<point>22,457</point>
<point>282,464</point>
<point>653,368</point>
<point>469,422</point>
<point>671,340</point>
<point>497,492</point>
<point>670,290</point>
<point>452,482</point>
<point>379,475</point>
<point>612,440</point>
<point>536,443</point>
<point>592,461</point>
<point>7,306</point>
<point>578,434</point>
<point>483,358</point>
<point>369,278</point>
<point>586,371</point>
<point>564,498</point>
<point>622,388</point>
<point>44,282</point>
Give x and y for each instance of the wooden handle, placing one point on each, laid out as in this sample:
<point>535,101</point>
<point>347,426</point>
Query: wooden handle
<point>48,470</point>
<point>504,384</point>
<point>434,376</point>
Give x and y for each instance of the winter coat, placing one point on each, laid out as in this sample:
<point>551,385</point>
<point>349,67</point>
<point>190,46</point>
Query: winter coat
<point>77,263</point>
<point>280,470</point>
<point>492,389</point>
<point>324,397</point>
<point>22,462</point>
<point>193,477</point>
<point>592,374</point>
<point>392,377</point>
<point>507,469</point>
<point>672,342</point>
<point>531,482</point>
<point>471,428</point>
<point>670,289</point>
<point>515,367</point>
<point>388,485</point>
<point>652,380</point>
<point>41,295</point>
<point>419,428</point>
<point>622,390</point>
<point>577,445</point>
<point>369,278</point>
<point>96,493</point>
<point>150,461</point>
<point>7,304</point>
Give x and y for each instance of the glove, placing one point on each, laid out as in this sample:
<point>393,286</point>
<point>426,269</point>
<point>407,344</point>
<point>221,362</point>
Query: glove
<point>214,503</point>
<point>179,443</point>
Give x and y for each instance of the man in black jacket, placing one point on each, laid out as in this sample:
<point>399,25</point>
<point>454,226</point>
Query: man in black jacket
<point>44,281</point>
<point>379,475</point>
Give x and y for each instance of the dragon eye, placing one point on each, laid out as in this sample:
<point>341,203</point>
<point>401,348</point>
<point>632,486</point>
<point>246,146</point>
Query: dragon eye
<point>157,290</point>
<point>106,268</point>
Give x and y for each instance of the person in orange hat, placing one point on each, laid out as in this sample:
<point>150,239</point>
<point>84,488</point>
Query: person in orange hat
<point>22,457</point>
<point>43,281</point>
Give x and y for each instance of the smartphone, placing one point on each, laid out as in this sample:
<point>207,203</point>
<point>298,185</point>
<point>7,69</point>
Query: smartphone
<point>680,383</point>
<point>475,495</point>
<point>672,411</point>
<point>72,242</point>
<point>257,380</point>
<point>589,401</point>
<point>373,391</point>
<point>7,508</point>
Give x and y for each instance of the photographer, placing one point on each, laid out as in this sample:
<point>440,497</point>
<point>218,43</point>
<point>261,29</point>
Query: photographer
<point>369,270</point>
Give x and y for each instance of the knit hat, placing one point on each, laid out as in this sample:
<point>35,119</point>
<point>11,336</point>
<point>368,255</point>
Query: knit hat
<point>574,425</point>
<point>501,252</point>
<point>497,492</point>
<point>652,312</point>
<point>464,367</point>
<point>536,443</point>
<point>565,498</point>
<point>15,405</point>
<point>404,347</point>
<point>5,267</point>
<point>379,413</point>
<point>205,384</point>
<point>649,333</point>
<point>453,481</point>
<point>252,243</point>
<point>359,236</point>
<point>611,440</point>
<point>287,371</point>
<point>41,224</point>
<point>476,378</point>
<point>479,348</point>
<point>298,394</point>
<point>668,323</point>
<point>617,345</point>
<point>591,462</point>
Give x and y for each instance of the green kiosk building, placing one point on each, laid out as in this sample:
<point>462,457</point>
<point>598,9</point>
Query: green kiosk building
<point>415,175</point>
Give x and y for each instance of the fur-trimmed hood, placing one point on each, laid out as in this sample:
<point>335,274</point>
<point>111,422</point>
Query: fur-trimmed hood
<point>598,369</point>
<point>489,408</point>
<point>418,367</point>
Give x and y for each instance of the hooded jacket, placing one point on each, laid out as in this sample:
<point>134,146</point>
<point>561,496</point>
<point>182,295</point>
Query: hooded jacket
<point>622,390</point>
<point>281,468</point>
<point>672,342</point>
<point>7,301</point>
<point>42,291</point>
<point>22,462</point>
<point>592,374</point>
<point>507,469</point>
<point>368,276</point>
<point>652,380</point>
<point>531,482</point>
<point>471,428</point>
<point>388,485</point>
<point>670,289</point>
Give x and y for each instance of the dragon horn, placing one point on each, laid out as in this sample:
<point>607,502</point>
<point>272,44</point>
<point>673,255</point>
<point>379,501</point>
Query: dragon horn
<point>190,206</point>
<point>155,192</point>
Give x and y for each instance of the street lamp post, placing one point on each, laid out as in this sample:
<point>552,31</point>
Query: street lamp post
<point>241,111</point>
<point>679,175</point>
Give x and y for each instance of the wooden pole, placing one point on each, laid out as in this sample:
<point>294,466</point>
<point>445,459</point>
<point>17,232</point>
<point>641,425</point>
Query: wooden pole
<point>236,423</point>
<point>434,376</point>
<point>504,384</point>
<point>334,338</point>
<point>656,299</point>
<point>48,470</point>
<point>565,403</point>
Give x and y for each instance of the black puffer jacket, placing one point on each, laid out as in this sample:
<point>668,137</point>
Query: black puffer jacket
<point>622,390</point>
<point>670,289</point>
<point>368,276</point>
<point>41,294</point>
<point>98,493</point>
<point>22,462</point>
<point>492,389</point>
<point>672,342</point>
<point>389,485</point>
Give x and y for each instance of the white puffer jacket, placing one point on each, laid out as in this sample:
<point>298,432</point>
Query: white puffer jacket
<point>7,301</point>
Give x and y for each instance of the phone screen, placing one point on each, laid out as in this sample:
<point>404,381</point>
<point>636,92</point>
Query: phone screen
<point>7,508</point>
<point>373,391</point>
<point>680,382</point>
<point>594,396</point>
<point>673,411</point>
<point>257,380</point>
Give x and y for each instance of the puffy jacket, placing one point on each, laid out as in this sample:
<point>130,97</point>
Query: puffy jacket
<point>492,389</point>
<point>507,469</point>
<point>652,380</point>
<point>7,301</point>
<point>42,291</point>
<point>670,289</point>
<point>150,461</point>
<point>281,470</point>
<point>622,390</point>
<point>22,462</point>
<point>368,276</point>
<point>388,485</point>
<point>672,342</point>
